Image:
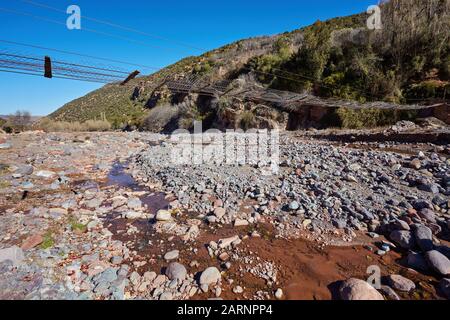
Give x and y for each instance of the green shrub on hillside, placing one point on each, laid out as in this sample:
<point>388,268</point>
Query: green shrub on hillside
<point>370,118</point>
<point>247,120</point>
<point>49,125</point>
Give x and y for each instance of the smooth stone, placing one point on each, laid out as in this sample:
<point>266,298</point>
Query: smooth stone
<point>219,212</point>
<point>389,293</point>
<point>13,254</point>
<point>424,237</point>
<point>172,255</point>
<point>176,270</point>
<point>428,215</point>
<point>438,262</point>
<point>134,203</point>
<point>32,242</point>
<point>403,238</point>
<point>163,215</point>
<point>224,243</point>
<point>355,289</point>
<point>166,296</point>
<point>240,223</point>
<point>279,294</point>
<point>45,174</point>
<point>294,205</point>
<point>211,275</point>
<point>400,283</point>
<point>132,215</point>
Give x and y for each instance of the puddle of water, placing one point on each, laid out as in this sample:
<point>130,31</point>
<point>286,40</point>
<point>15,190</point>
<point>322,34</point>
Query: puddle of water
<point>154,201</point>
<point>118,177</point>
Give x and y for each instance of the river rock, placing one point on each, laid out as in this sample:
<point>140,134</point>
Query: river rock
<point>176,270</point>
<point>13,254</point>
<point>424,237</point>
<point>438,262</point>
<point>403,238</point>
<point>428,215</point>
<point>163,215</point>
<point>210,276</point>
<point>224,243</point>
<point>355,289</point>
<point>219,212</point>
<point>400,283</point>
<point>45,174</point>
<point>389,293</point>
<point>32,242</point>
<point>417,262</point>
<point>172,255</point>
<point>240,223</point>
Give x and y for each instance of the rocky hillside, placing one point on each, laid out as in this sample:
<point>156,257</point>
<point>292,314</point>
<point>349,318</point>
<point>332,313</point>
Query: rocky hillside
<point>407,61</point>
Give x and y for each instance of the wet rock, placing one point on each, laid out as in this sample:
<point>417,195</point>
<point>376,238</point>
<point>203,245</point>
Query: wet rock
<point>402,238</point>
<point>355,289</point>
<point>176,270</point>
<point>438,262</point>
<point>400,283</point>
<point>424,237</point>
<point>210,276</point>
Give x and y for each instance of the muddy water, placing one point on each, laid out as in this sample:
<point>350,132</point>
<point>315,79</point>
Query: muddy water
<point>305,271</point>
<point>146,235</point>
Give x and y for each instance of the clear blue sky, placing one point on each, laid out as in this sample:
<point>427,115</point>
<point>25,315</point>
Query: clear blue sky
<point>201,23</point>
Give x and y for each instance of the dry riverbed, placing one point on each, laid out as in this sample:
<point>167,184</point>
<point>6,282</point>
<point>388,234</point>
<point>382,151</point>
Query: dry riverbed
<point>105,216</point>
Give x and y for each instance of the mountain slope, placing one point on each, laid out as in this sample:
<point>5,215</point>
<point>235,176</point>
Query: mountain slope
<point>405,62</point>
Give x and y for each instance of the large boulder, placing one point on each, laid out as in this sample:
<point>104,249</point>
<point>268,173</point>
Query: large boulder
<point>355,289</point>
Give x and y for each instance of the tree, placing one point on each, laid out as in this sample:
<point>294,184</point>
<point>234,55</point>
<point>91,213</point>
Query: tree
<point>19,121</point>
